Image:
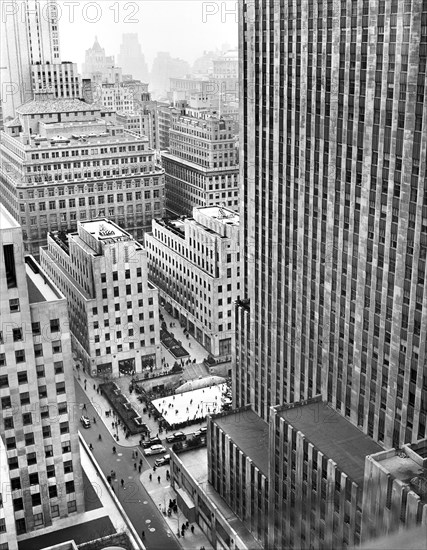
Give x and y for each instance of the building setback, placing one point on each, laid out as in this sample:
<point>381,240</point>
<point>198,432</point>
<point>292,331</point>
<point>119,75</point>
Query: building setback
<point>201,166</point>
<point>65,161</point>
<point>38,413</point>
<point>30,35</point>
<point>195,263</point>
<point>114,309</point>
<point>395,490</point>
<point>60,78</point>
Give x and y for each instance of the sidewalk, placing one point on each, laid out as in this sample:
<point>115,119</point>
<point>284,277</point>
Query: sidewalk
<point>101,405</point>
<point>161,493</point>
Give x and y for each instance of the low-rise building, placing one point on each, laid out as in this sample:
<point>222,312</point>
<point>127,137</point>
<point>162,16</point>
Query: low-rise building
<point>195,263</point>
<point>114,309</point>
<point>38,424</point>
<point>201,503</point>
<point>395,490</point>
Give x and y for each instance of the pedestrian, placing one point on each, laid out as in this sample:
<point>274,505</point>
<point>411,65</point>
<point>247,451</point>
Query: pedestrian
<point>143,535</point>
<point>134,466</point>
<point>187,524</point>
<point>122,482</point>
<point>192,529</point>
<point>94,386</point>
<point>151,477</point>
<point>158,479</point>
<point>140,462</point>
<point>139,468</point>
<point>84,407</point>
<point>114,450</point>
<point>154,468</point>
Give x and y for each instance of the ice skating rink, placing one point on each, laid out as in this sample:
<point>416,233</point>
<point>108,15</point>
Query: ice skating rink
<point>191,405</point>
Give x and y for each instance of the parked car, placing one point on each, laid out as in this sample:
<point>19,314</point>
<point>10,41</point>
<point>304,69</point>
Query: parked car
<point>177,436</point>
<point>152,441</point>
<point>201,432</point>
<point>163,460</point>
<point>85,421</point>
<point>155,450</point>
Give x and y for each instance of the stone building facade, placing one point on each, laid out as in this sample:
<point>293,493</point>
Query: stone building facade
<point>114,309</point>
<point>38,413</point>
<point>65,161</point>
<point>195,263</point>
<point>201,165</point>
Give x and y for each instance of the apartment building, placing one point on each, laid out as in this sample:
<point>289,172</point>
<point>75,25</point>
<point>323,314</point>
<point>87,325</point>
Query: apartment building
<point>124,96</point>
<point>195,263</point>
<point>114,309</point>
<point>201,165</point>
<point>38,419</point>
<point>8,537</point>
<point>65,161</point>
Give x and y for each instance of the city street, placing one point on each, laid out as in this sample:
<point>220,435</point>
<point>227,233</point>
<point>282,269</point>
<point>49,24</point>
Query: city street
<point>138,505</point>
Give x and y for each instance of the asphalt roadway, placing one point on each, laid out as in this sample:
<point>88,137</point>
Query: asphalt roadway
<point>138,505</point>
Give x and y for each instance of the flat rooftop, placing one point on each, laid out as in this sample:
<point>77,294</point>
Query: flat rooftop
<point>196,463</point>
<point>221,214</point>
<point>7,221</point>
<point>333,435</point>
<point>58,105</point>
<point>250,433</point>
<point>104,229</point>
<point>403,467</point>
<point>40,289</point>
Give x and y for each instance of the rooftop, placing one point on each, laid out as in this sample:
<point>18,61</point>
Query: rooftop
<point>406,465</point>
<point>54,106</point>
<point>332,435</point>
<point>104,230</point>
<point>249,432</point>
<point>221,213</point>
<point>196,463</point>
<point>40,289</point>
<point>7,221</point>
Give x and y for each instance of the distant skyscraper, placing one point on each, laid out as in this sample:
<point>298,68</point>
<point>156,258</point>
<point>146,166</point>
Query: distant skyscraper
<point>29,35</point>
<point>38,422</point>
<point>99,67</point>
<point>334,210</point>
<point>131,59</point>
<point>164,68</point>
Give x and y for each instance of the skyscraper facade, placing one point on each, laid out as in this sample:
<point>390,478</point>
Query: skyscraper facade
<point>334,210</point>
<point>29,36</point>
<point>38,419</point>
<point>131,59</point>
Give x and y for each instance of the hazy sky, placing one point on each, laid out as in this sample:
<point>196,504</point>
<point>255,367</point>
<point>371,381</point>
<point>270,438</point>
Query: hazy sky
<point>185,28</point>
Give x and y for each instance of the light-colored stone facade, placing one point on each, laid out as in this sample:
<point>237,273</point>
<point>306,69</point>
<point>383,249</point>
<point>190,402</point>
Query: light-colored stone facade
<point>201,166</point>
<point>195,263</point>
<point>395,490</point>
<point>114,309</point>
<point>38,413</point>
<point>65,161</point>
<point>62,79</point>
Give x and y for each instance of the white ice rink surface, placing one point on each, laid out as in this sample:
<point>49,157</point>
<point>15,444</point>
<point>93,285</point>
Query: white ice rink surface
<point>191,405</point>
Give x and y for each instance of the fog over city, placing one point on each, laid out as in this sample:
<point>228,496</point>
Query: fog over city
<point>161,25</point>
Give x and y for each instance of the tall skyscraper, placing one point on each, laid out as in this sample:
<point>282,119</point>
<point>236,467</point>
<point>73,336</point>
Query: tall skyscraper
<point>131,59</point>
<point>334,210</point>
<point>38,424</point>
<point>29,36</point>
